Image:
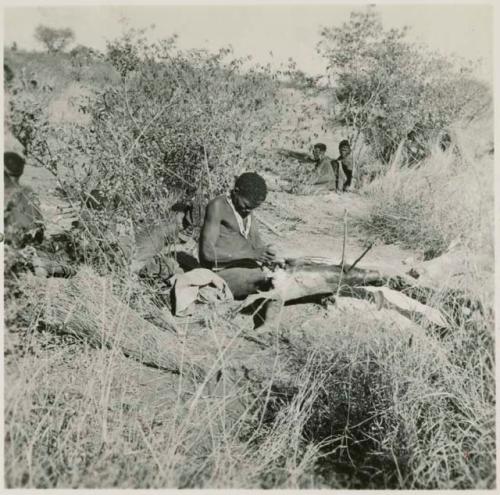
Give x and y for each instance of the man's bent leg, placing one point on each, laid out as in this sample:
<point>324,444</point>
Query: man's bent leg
<point>348,174</point>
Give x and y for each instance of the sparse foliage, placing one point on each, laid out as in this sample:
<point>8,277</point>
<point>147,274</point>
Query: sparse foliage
<point>387,86</point>
<point>178,124</point>
<point>54,40</point>
<point>82,57</point>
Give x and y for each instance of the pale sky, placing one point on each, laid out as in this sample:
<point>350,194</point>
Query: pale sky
<point>286,30</point>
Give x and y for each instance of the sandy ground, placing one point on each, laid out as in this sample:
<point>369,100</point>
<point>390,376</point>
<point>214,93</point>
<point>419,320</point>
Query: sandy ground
<point>314,226</point>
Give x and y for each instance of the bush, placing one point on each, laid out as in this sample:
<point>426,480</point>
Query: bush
<point>54,40</point>
<point>176,124</point>
<point>386,86</point>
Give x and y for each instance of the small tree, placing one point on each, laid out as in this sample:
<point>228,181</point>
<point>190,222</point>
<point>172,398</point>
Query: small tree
<point>55,40</point>
<point>386,86</point>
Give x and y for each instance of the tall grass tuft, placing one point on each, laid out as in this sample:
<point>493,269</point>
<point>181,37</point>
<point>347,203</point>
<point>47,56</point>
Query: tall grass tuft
<point>402,408</point>
<point>448,197</point>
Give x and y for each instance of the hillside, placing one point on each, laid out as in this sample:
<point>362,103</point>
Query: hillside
<point>349,394</point>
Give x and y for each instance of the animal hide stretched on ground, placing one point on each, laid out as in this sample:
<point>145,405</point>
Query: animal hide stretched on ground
<point>307,277</point>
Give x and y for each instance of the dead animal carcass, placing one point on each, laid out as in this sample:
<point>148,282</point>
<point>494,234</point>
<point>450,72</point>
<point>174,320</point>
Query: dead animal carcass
<point>305,279</point>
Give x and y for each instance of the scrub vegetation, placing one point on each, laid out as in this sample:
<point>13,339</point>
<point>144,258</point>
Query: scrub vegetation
<point>335,399</point>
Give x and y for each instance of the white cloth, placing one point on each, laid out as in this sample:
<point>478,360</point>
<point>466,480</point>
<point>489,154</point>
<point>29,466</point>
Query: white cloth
<point>198,285</point>
<point>244,229</point>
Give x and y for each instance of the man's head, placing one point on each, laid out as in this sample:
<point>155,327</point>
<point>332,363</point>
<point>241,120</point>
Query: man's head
<point>13,167</point>
<point>8,75</point>
<point>319,151</point>
<point>344,148</point>
<point>249,192</point>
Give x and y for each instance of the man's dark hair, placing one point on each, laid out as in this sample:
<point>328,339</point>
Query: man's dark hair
<point>13,164</point>
<point>320,146</point>
<point>180,206</point>
<point>8,74</point>
<point>252,186</point>
<point>343,143</point>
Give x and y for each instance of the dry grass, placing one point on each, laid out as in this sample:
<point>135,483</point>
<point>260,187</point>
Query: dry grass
<point>78,416</point>
<point>370,406</point>
<point>449,197</point>
<point>366,404</point>
<point>347,403</point>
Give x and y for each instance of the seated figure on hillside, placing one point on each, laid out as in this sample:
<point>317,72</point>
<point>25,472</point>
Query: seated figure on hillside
<point>230,243</point>
<point>343,167</point>
<point>320,180</point>
<point>323,174</point>
<point>23,220</point>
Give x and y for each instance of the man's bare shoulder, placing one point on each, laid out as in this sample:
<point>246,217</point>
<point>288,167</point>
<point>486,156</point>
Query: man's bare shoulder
<point>218,207</point>
<point>217,204</point>
<point>217,201</point>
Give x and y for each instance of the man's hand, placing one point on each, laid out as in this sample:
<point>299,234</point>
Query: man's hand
<point>265,254</point>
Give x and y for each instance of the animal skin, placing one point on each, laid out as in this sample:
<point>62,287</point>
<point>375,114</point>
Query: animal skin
<point>304,278</point>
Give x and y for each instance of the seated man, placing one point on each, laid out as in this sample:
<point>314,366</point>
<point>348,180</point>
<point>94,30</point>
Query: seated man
<point>319,180</point>
<point>230,243</point>
<point>343,165</point>
<point>23,219</point>
<point>25,245</point>
<point>324,173</point>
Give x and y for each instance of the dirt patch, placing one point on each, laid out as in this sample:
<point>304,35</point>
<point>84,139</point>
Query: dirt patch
<point>314,226</point>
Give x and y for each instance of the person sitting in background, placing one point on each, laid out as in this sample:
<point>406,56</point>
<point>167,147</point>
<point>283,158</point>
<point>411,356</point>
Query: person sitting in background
<point>230,243</point>
<point>343,165</point>
<point>23,219</point>
<point>25,244</point>
<point>323,174</point>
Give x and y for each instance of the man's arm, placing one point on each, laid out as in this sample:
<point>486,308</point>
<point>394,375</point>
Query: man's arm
<point>209,236</point>
<point>255,237</point>
<point>336,172</point>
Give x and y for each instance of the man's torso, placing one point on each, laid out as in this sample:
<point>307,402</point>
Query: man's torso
<point>346,162</point>
<point>229,230</point>
<point>324,172</point>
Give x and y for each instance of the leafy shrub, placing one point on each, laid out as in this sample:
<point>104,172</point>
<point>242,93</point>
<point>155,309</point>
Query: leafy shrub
<point>54,40</point>
<point>82,59</point>
<point>176,124</point>
<point>386,86</point>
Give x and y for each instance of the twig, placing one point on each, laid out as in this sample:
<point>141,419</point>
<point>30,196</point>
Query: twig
<point>343,253</point>
<point>148,124</point>
<point>344,241</point>
<point>166,169</point>
<point>211,189</point>
<point>359,258</point>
